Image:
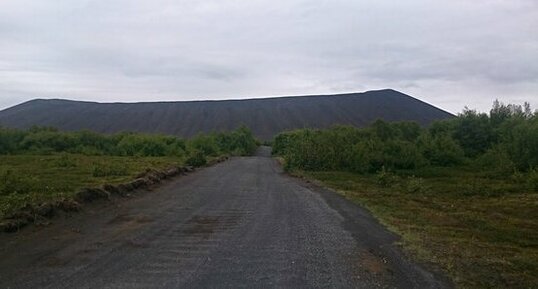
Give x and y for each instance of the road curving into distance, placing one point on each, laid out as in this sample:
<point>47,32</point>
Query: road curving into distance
<point>239,224</point>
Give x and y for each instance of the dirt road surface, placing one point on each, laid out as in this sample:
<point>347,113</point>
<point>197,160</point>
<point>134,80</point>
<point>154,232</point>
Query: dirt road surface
<point>239,224</point>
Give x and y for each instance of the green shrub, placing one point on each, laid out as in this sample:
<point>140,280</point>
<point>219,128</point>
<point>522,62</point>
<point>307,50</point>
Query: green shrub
<point>473,132</point>
<point>367,156</point>
<point>440,149</point>
<point>386,178</point>
<point>204,143</point>
<point>499,143</point>
<point>415,185</point>
<point>39,140</point>
<point>12,183</point>
<point>400,154</point>
<point>196,159</point>
<point>11,202</point>
<point>238,142</point>
<point>10,140</point>
<point>520,139</point>
<point>497,162</point>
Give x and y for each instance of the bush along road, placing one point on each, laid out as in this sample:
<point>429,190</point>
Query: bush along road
<point>242,223</point>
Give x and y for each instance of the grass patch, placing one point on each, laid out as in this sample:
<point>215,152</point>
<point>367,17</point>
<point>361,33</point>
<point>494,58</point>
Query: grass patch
<point>31,179</point>
<point>109,170</point>
<point>482,231</point>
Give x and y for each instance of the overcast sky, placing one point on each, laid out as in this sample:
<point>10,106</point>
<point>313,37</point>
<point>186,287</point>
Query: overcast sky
<point>448,53</point>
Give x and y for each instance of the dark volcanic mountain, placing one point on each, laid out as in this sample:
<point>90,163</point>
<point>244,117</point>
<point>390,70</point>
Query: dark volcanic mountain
<point>266,117</point>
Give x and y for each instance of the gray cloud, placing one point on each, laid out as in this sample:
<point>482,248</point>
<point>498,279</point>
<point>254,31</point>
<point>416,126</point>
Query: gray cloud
<point>448,53</point>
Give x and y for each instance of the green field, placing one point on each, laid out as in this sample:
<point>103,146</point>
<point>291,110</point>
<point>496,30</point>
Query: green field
<point>43,164</point>
<point>32,179</point>
<point>482,231</point>
<point>462,192</point>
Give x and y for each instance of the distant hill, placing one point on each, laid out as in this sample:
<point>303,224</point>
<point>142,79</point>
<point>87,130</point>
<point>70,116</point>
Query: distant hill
<point>266,117</point>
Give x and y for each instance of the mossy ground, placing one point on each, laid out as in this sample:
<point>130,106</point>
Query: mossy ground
<point>483,231</point>
<point>31,179</point>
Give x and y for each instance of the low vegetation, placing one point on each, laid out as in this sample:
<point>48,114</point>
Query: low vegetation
<point>43,164</point>
<point>47,140</point>
<point>462,192</point>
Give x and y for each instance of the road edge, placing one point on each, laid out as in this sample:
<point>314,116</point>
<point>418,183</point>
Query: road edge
<point>43,213</point>
<point>352,211</point>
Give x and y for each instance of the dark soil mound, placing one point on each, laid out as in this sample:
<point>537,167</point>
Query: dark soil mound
<point>265,117</point>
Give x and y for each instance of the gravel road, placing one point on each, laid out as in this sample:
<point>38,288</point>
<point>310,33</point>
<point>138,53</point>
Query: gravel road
<point>239,224</point>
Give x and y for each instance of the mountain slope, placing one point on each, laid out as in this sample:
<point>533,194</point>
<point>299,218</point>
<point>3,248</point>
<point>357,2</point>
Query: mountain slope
<point>266,117</point>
